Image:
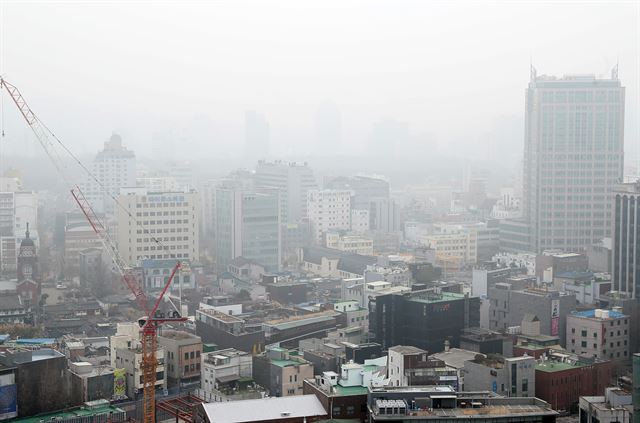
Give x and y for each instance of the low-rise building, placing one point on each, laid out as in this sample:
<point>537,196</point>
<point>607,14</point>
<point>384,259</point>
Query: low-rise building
<point>227,375</point>
<point>12,309</point>
<point>344,395</point>
<point>126,353</point>
<point>39,373</point>
<point>599,334</point>
<point>562,378</point>
<point>228,331</point>
<point>409,366</point>
<point>90,382</point>
<point>281,372</point>
<point>182,357</point>
<point>356,244</point>
<point>509,377</point>
<point>445,404</point>
<point>616,406</point>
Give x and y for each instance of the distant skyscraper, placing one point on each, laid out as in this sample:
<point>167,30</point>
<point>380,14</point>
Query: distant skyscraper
<point>114,168</point>
<point>293,180</point>
<point>573,158</point>
<point>329,128</point>
<point>625,263</point>
<point>247,225</point>
<point>256,136</point>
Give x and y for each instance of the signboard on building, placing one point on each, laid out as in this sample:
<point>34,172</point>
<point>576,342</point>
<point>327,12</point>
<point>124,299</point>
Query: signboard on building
<point>119,383</point>
<point>8,402</point>
<point>555,317</point>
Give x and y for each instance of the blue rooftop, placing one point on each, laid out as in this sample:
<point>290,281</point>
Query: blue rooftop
<point>592,313</point>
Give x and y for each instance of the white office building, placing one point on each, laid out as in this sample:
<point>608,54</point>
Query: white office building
<point>158,225</point>
<point>328,209</point>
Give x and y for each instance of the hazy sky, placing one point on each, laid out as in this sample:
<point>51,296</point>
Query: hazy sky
<point>454,72</point>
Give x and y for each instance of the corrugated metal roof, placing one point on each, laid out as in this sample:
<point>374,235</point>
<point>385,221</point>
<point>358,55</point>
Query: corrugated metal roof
<point>264,409</point>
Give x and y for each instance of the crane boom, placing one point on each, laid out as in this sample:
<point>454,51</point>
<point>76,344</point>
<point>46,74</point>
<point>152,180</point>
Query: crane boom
<point>153,319</point>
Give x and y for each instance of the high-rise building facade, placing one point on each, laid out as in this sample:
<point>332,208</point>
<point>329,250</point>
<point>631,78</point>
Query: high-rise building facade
<point>248,225</point>
<point>328,209</point>
<point>114,168</point>
<point>158,225</point>
<point>293,181</point>
<point>573,158</point>
<point>625,263</point>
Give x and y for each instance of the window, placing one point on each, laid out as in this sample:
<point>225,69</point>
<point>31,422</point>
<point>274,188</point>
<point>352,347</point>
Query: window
<point>186,369</point>
<point>193,355</point>
<point>186,356</point>
<point>583,344</point>
<point>525,384</point>
<point>583,333</point>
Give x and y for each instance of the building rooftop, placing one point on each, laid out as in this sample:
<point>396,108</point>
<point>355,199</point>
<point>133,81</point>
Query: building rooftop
<point>455,357</point>
<point>430,297</point>
<point>282,408</point>
<point>592,314</point>
<point>551,366</point>
<point>407,349</point>
<point>75,414</point>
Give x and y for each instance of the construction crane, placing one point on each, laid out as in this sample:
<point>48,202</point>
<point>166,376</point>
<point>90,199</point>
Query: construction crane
<point>153,318</point>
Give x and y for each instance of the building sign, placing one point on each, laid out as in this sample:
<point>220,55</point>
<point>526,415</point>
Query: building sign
<point>8,402</point>
<point>119,383</point>
<point>555,317</point>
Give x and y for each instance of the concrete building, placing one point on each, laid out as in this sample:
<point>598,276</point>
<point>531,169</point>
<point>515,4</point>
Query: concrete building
<point>411,366</point>
<point>625,263</point>
<point>78,237</point>
<point>615,406</point>
<point>508,307</point>
<point>156,272</point>
<point>363,188</point>
<point>384,215</point>
<point>360,220</point>
<point>300,409</point>
<point>349,243</point>
<point>327,210</point>
<point>114,167</point>
<point>461,245</point>
<point>228,331</point>
<point>574,152</point>
<point>227,375</point>
<point>552,263</point>
<point>293,181</point>
<point>599,334</point>
<point>328,262</point>
<point>91,382</point>
<point>39,373</point>
<point>588,287</point>
<point>248,225</point>
<point>344,395</point>
<point>509,377</point>
<point>423,319</point>
<point>281,372</point>
<point>168,225</point>
<point>182,357</point>
<point>126,353</point>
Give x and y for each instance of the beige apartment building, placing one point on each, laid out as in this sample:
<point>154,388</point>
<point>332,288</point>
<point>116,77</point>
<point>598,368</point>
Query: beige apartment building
<point>157,225</point>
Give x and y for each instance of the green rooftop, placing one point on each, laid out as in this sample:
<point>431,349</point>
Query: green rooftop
<point>351,390</point>
<point>71,414</point>
<point>555,366</point>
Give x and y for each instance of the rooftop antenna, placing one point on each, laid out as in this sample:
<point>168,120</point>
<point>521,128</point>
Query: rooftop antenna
<point>614,71</point>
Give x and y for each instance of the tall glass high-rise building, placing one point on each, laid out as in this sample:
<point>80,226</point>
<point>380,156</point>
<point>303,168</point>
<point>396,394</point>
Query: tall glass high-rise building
<point>573,158</point>
<point>248,225</point>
